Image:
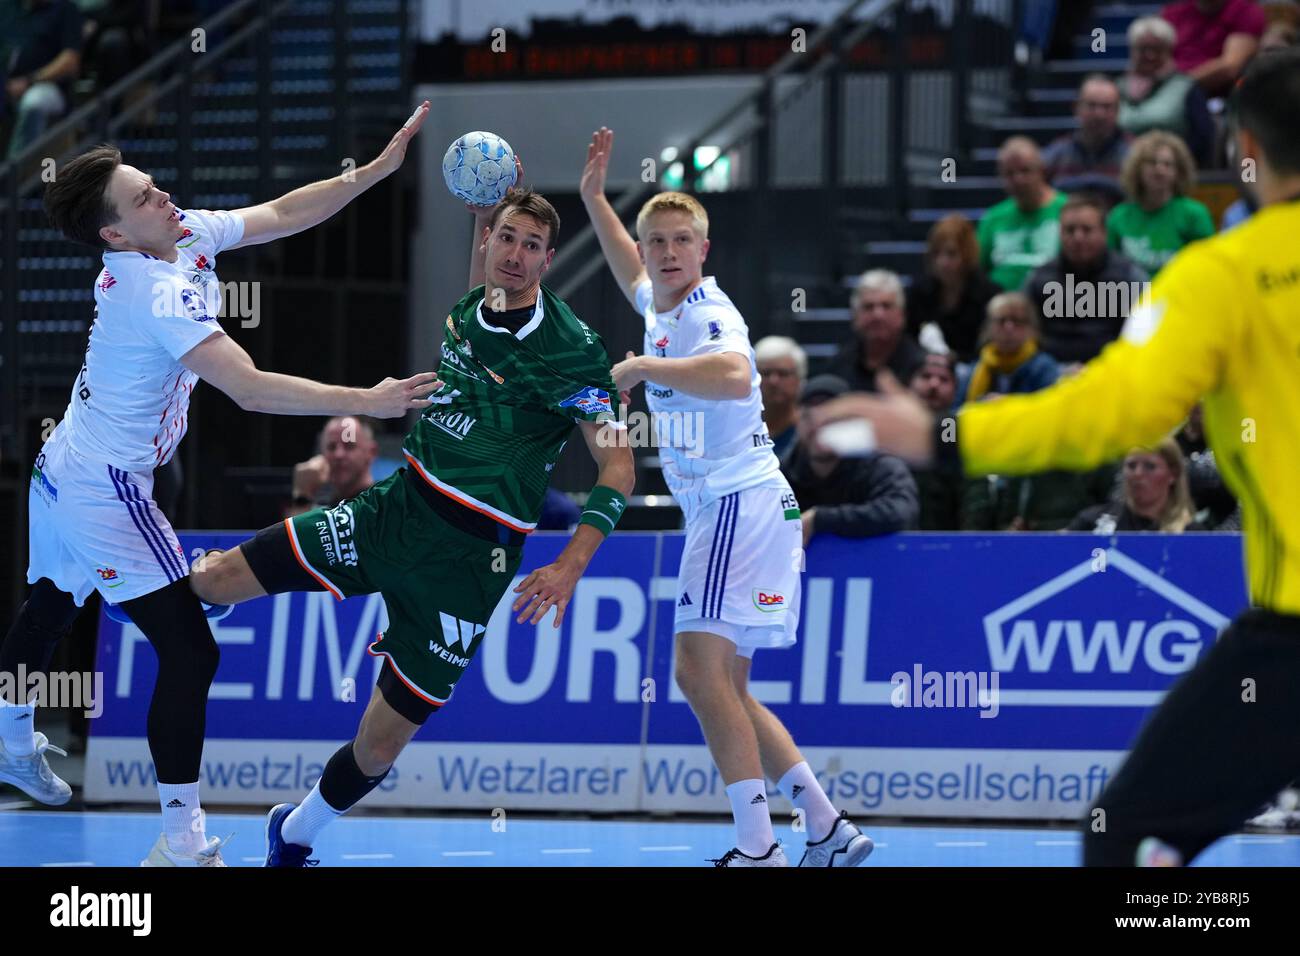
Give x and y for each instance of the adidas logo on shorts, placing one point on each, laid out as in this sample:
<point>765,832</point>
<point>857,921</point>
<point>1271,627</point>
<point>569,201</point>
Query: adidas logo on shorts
<point>685,600</point>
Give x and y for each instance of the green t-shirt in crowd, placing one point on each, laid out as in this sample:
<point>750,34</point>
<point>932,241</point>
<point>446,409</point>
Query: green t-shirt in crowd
<point>1014,243</point>
<point>1153,238</point>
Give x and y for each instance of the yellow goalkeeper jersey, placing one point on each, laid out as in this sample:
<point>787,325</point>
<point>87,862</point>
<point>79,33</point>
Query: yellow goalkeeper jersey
<point>1222,324</point>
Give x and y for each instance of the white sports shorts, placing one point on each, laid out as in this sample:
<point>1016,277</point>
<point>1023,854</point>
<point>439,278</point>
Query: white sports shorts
<point>739,575</point>
<point>93,526</point>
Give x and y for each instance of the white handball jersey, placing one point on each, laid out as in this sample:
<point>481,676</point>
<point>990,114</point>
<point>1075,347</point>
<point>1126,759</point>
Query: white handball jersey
<point>709,447</point>
<point>130,404</point>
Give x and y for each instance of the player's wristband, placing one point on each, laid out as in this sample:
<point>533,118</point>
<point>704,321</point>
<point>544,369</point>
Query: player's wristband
<point>604,508</point>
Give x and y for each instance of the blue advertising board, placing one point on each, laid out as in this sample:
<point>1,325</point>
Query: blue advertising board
<point>935,675</point>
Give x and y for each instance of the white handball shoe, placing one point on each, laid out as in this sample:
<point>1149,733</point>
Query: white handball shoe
<point>845,845</point>
<point>164,855</point>
<point>32,774</point>
<point>775,856</point>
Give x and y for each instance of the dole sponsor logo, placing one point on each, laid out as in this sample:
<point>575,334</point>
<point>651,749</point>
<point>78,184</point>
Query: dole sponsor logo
<point>107,574</point>
<point>768,600</point>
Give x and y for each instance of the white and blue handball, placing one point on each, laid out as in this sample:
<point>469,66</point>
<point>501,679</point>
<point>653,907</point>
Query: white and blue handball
<point>479,168</point>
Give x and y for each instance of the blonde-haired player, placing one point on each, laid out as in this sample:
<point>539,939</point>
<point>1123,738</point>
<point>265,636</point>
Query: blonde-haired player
<point>738,587</point>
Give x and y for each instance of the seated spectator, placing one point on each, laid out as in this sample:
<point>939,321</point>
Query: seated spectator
<point>953,292</point>
<point>1216,506</point>
<point>851,497</point>
<point>1215,39</point>
<point>1010,361</point>
<point>116,38</point>
<point>1154,95</point>
<point>341,468</point>
<point>1019,234</point>
<point>1084,295</point>
<point>1011,364</point>
<point>879,337</point>
<point>939,490</point>
<point>1156,496</point>
<point>1091,157</point>
<point>1159,217</point>
<point>782,366</point>
<point>40,55</point>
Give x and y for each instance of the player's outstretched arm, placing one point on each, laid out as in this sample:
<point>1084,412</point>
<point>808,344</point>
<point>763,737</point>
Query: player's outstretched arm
<point>714,375</point>
<point>220,360</point>
<point>552,585</point>
<point>619,249</point>
<point>311,205</point>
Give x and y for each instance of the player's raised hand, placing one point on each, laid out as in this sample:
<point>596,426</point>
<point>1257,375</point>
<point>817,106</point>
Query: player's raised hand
<point>593,174</point>
<point>394,397</point>
<point>900,422</point>
<point>391,158</point>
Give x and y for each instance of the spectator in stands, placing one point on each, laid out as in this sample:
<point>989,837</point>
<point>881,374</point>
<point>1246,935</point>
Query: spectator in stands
<point>1159,217</point>
<point>953,292</point>
<point>1084,294</point>
<point>1216,506</point>
<point>40,55</point>
<point>880,339</point>
<point>1155,95</point>
<point>1090,158</point>
<point>783,367</point>
<point>1010,361</point>
<point>1019,234</point>
<point>851,497</point>
<point>1215,39</point>
<point>939,490</point>
<point>340,469</point>
<point>1156,496</point>
<point>116,37</point>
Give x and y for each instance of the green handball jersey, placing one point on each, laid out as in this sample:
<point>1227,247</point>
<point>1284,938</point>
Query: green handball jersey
<point>507,405</point>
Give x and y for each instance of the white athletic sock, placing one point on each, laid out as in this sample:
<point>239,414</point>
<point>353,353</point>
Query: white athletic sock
<point>308,818</point>
<point>182,817</point>
<point>18,728</point>
<point>801,786</point>
<point>754,835</point>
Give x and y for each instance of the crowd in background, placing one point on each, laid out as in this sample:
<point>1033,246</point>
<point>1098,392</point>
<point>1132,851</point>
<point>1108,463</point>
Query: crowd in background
<point>1047,278</point>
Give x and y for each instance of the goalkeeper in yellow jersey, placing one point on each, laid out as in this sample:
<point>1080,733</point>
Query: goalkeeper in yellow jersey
<point>1222,324</point>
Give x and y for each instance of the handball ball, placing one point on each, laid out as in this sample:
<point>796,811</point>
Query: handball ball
<point>479,168</point>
